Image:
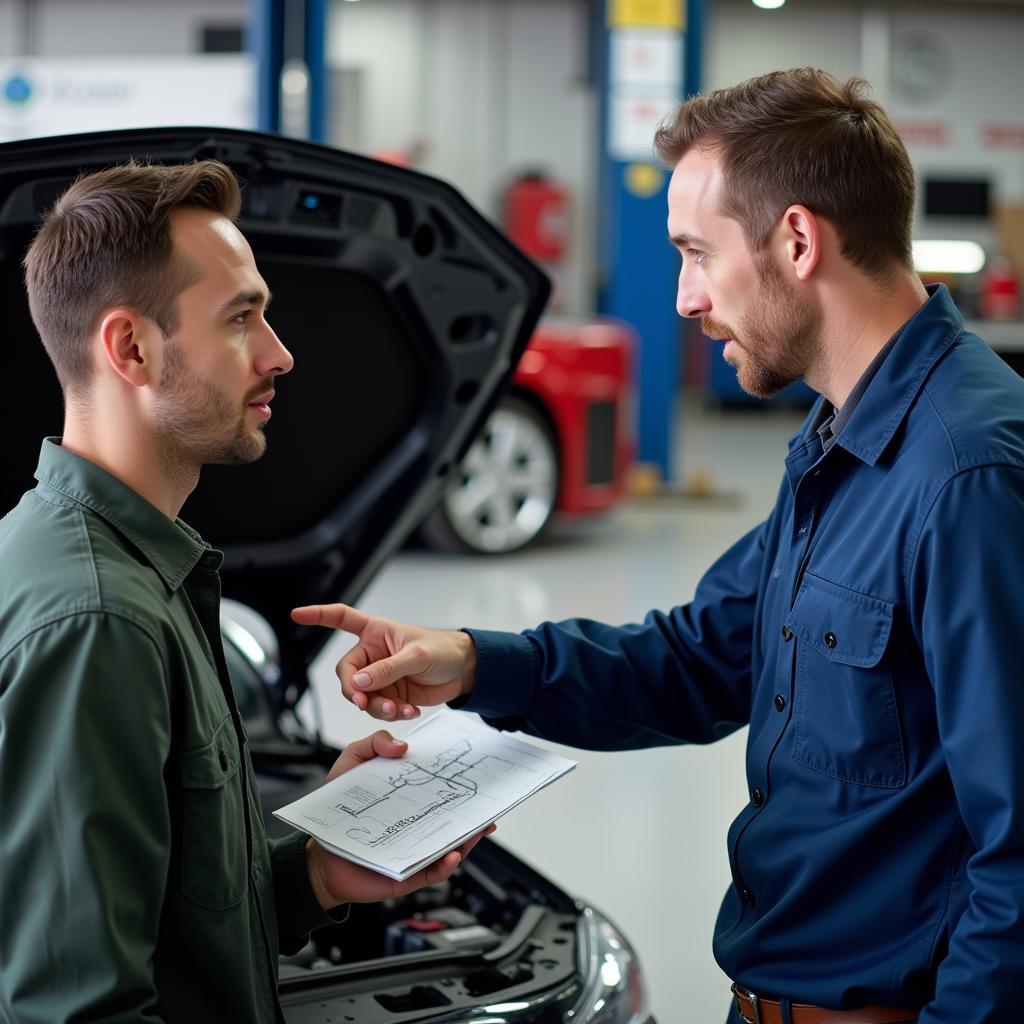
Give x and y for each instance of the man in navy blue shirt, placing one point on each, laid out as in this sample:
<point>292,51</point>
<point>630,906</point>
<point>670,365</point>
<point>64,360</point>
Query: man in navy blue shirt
<point>868,631</point>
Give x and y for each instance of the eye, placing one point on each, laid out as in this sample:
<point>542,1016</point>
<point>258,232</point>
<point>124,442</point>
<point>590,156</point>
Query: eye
<point>699,256</point>
<point>242,318</point>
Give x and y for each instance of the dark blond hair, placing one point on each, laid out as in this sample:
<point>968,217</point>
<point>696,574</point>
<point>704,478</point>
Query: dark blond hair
<point>804,137</point>
<point>106,242</point>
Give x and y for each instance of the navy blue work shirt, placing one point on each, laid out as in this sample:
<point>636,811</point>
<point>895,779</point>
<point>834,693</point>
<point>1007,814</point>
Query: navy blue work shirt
<point>870,633</point>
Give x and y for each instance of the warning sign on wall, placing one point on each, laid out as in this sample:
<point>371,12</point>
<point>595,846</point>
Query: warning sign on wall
<point>642,59</point>
<point>645,83</point>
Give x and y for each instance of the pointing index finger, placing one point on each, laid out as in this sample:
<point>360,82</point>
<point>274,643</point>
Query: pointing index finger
<point>333,616</point>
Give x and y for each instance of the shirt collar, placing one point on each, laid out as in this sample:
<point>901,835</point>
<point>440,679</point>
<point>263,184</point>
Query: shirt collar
<point>172,547</point>
<point>832,423</point>
<point>881,408</point>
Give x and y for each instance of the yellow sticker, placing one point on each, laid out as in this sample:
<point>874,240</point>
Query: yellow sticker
<point>647,14</point>
<point>644,180</point>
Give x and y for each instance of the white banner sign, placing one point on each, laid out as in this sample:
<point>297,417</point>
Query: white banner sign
<point>55,96</point>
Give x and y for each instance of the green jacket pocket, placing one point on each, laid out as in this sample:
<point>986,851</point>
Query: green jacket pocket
<point>214,856</point>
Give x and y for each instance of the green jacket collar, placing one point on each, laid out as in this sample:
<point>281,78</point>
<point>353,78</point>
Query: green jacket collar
<point>172,548</point>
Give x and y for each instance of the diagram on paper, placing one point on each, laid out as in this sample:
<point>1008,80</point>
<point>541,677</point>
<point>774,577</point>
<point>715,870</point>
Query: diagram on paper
<point>457,776</point>
<point>409,796</point>
<point>398,801</point>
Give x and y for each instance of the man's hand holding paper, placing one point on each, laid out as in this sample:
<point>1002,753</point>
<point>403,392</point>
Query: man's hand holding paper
<point>336,880</point>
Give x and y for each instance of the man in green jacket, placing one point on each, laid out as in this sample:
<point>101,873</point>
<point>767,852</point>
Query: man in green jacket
<point>136,880</point>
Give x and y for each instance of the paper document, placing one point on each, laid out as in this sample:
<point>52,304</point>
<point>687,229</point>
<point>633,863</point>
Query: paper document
<point>396,815</point>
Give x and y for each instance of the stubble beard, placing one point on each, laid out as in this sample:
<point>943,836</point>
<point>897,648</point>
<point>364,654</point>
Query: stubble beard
<point>199,424</point>
<point>779,339</point>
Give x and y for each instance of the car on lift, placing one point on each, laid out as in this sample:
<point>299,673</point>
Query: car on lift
<point>407,313</point>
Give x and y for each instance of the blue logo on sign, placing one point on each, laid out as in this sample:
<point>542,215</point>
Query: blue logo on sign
<point>17,89</point>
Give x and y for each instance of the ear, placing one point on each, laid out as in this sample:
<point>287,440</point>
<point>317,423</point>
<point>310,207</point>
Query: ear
<point>126,341</point>
<point>802,240</point>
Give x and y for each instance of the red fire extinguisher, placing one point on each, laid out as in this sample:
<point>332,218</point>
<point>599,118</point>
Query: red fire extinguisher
<point>999,295</point>
<point>537,217</point>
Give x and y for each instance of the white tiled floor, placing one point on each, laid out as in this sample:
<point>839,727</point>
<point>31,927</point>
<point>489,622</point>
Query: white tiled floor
<point>640,835</point>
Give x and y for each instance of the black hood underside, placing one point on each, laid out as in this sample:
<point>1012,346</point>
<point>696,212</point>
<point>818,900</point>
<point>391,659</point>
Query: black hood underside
<point>405,309</point>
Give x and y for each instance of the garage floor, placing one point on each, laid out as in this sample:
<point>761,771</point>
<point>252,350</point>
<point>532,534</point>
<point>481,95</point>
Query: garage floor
<point>640,835</point>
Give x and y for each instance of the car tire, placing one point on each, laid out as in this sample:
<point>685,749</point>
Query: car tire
<point>506,489</point>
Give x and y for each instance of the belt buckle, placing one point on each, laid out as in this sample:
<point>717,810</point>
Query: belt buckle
<point>755,1004</point>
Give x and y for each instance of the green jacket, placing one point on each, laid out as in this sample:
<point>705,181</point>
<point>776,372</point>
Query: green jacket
<point>136,880</point>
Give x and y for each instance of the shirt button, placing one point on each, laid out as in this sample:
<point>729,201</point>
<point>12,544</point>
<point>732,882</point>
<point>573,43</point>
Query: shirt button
<point>830,640</point>
<point>223,761</point>
<point>748,898</point>
<point>780,702</point>
<point>802,530</point>
<point>786,632</point>
<point>757,798</point>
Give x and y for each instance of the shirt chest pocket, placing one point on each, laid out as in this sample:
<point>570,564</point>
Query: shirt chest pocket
<point>846,722</point>
<point>214,857</point>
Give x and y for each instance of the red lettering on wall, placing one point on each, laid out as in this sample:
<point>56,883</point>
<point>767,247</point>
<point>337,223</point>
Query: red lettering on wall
<point>923,133</point>
<point>1003,135</point>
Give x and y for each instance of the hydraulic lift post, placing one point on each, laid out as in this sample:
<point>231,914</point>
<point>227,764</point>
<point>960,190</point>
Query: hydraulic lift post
<point>288,40</point>
<point>649,60</point>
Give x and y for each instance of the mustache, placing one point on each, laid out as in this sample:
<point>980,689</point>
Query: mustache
<point>714,329</point>
<point>261,389</point>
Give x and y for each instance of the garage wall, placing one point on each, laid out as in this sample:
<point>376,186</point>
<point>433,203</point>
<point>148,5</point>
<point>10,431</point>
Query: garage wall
<point>85,27</point>
<point>962,72</point>
<point>946,75</point>
<point>9,28</point>
<point>742,41</point>
<point>477,92</point>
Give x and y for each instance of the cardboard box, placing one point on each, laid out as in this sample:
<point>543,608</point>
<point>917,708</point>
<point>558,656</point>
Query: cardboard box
<point>1009,221</point>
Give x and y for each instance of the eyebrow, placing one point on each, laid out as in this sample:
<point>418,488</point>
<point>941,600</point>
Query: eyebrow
<point>682,241</point>
<point>249,298</point>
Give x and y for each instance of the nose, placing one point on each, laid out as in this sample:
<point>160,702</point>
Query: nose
<point>691,300</point>
<point>274,359</point>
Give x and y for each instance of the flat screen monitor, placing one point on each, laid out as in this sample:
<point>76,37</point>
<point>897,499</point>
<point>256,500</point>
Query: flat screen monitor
<point>956,197</point>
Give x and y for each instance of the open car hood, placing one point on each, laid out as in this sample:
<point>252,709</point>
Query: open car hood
<point>405,309</point>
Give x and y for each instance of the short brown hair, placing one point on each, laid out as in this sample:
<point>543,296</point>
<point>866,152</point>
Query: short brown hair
<point>107,242</point>
<point>802,136</point>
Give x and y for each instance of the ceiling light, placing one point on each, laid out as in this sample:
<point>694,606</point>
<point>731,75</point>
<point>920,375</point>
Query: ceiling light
<point>941,256</point>
<point>769,5</point>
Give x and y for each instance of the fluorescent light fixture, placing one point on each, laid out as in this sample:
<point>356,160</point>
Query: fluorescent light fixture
<point>944,256</point>
<point>769,5</point>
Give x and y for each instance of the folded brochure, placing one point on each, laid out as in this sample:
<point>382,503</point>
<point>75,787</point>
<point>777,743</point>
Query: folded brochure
<point>397,815</point>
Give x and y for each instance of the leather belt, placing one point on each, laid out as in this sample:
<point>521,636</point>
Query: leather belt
<point>755,1010</point>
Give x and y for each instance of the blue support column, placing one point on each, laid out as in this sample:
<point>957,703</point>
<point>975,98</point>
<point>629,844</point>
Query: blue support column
<point>266,44</point>
<point>640,267</point>
<point>694,46</point>
<point>640,289</point>
<point>286,32</point>
<point>316,63</point>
